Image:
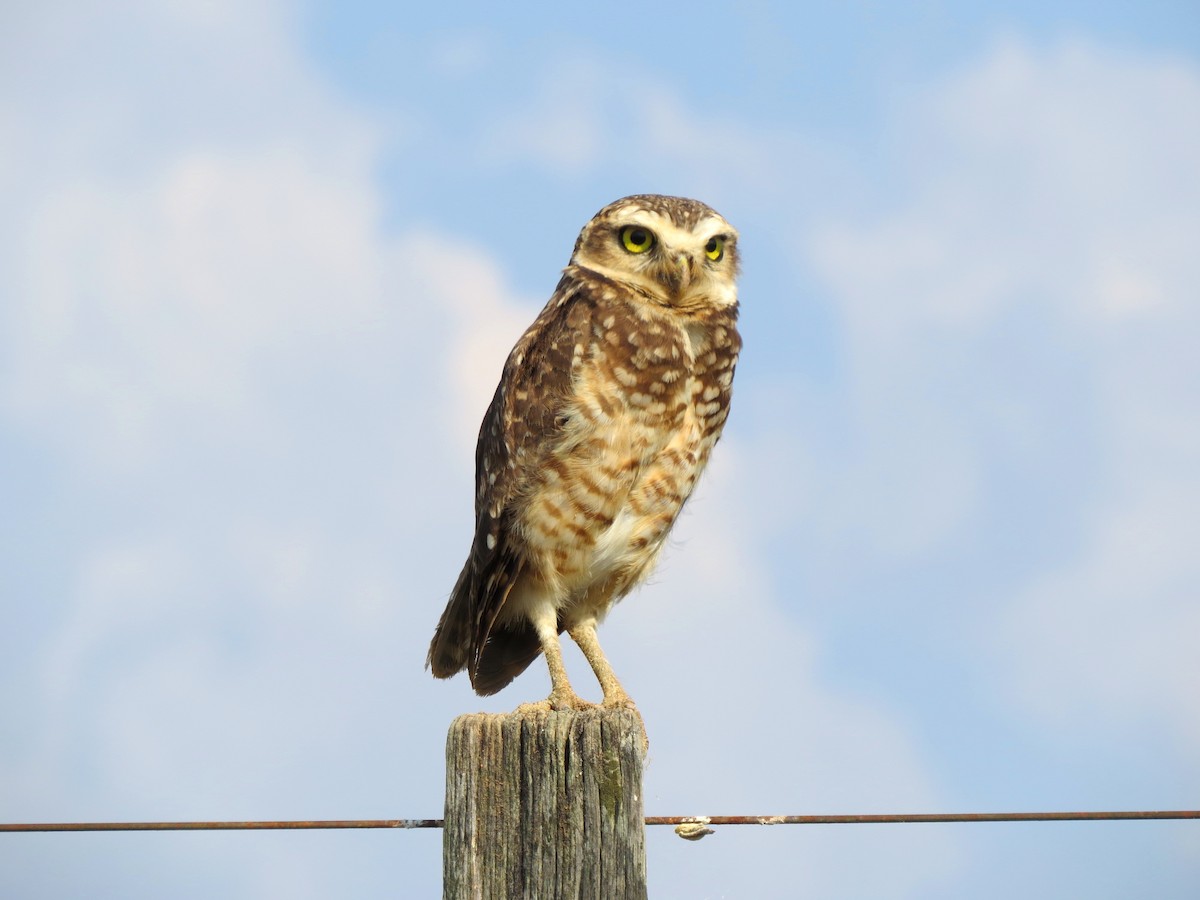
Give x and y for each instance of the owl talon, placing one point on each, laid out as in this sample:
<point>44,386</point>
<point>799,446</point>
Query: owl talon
<point>623,701</point>
<point>568,700</point>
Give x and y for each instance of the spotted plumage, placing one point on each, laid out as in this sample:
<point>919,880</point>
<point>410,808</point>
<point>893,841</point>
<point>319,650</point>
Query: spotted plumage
<point>604,418</point>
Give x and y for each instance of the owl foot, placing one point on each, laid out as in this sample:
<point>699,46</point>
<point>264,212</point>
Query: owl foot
<point>568,700</point>
<point>556,702</point>
<point>541,708</point>
<point>618,700</point>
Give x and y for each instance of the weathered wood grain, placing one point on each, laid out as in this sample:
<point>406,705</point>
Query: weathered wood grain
<point>545,805</point>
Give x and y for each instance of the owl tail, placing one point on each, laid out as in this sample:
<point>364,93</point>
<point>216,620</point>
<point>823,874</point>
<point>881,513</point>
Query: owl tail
<point>507,654</point>
<point>467,636</point>
<point>452,640</point>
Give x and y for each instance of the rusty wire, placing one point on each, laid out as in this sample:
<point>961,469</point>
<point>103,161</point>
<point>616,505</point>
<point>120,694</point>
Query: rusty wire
<point>888,819</point>
<point>911,818</point>
<point>227,826</point>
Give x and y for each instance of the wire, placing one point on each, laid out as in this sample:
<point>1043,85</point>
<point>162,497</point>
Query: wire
<point>909,818</point>
<point>226,826</point>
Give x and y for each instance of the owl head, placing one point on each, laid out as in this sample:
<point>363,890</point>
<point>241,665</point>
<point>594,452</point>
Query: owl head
<point>670,250</point>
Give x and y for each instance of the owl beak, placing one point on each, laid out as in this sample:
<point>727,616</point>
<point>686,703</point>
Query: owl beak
<point>682,268</point>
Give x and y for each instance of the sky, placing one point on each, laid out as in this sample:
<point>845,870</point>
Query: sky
<point>261,263</point>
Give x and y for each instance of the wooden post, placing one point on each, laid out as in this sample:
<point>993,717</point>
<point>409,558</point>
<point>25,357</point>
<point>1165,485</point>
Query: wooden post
<point>545,805</point>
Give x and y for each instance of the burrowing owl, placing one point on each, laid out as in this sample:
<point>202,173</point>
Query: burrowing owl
<point>605,416</point>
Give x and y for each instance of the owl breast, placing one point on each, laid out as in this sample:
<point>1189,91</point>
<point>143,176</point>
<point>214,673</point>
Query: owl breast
<point>651,394</point>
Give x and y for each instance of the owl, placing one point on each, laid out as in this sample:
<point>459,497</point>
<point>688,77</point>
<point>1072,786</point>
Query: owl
<point>606,414</point>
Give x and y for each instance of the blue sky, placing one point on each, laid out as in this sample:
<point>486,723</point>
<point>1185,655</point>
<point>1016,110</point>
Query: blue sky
<point>260,265</point>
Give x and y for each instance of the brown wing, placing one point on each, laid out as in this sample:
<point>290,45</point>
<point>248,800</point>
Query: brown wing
<point>517,431</point>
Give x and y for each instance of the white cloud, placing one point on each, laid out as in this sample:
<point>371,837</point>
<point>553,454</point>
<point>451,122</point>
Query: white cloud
<point>1050,213</point>
<point>175,292</point>
<point>741,719</point>
<point>198,303</point>
<point>631,126</point>
<point>487,319</point>
<point>1109,638</point>
<point>187,210</point>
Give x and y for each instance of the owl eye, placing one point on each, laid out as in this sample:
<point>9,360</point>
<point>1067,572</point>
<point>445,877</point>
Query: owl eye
<point>636,239</point>
<point>715,248</point>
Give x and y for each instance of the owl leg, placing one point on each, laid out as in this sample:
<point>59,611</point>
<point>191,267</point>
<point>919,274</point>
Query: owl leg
<point>584,634</point>
<point>562,695</point>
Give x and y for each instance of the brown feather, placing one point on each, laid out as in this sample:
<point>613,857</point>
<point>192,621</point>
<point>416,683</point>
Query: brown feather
<point>519,423</point>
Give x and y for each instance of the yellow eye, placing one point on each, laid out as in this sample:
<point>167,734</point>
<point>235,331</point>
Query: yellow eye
<point>715,248</point>
<point>637,239</point>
